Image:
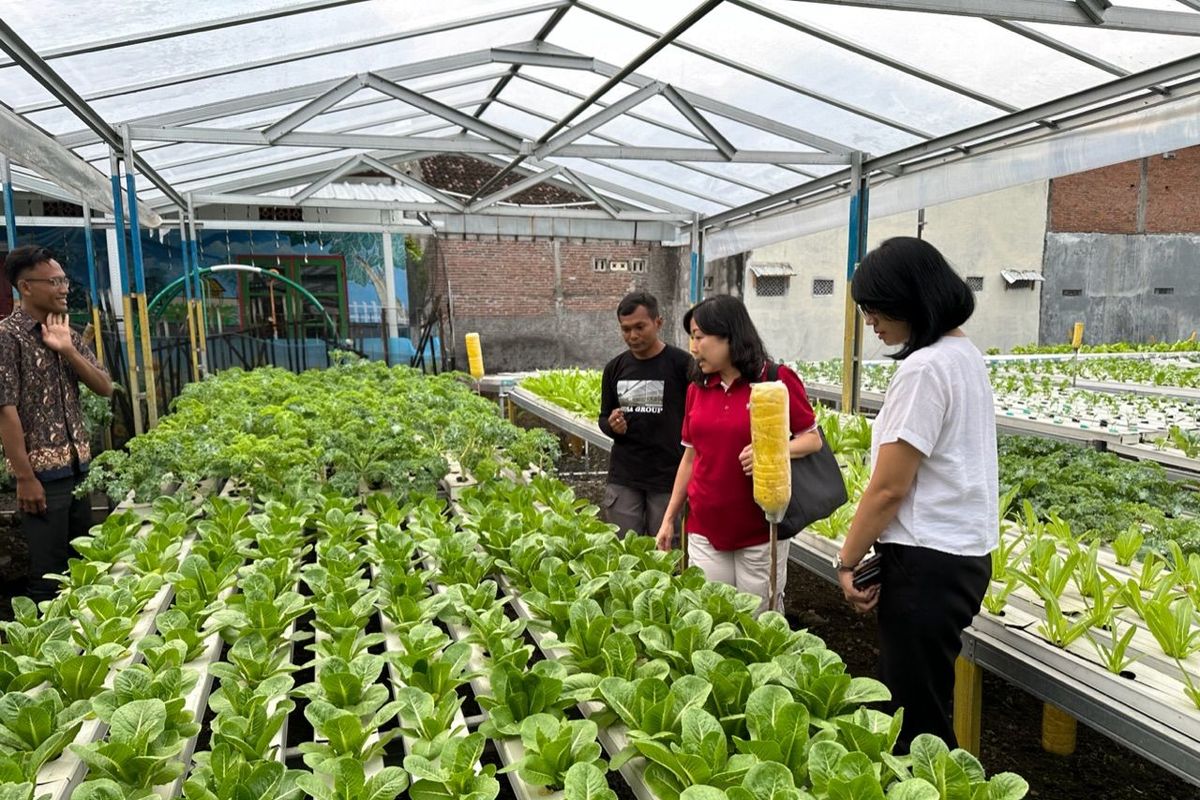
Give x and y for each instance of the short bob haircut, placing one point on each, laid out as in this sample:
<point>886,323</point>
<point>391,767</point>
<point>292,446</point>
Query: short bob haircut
<point>726,316</point>
<point>908,280</point>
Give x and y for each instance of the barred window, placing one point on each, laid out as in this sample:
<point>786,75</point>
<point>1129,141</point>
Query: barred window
<point>975,283</point>
<point>771,285</point>
<point>1072,292</point>
<point>822,287</point>
<point>61,208</point>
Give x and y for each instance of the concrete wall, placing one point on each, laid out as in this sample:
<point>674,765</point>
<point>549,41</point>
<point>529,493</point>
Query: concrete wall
<point>539,304</point>
<point>980,236</point>
<point>1116,277</point>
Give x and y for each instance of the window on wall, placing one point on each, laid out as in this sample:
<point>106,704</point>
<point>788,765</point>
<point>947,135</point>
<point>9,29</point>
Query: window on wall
<point>771,285</point>
<point>1072,292</point>
<point>709,283</point>
<point>280,214</point>
<point>1164,290</point>
<point>822,287</point>
<point>975,283</point>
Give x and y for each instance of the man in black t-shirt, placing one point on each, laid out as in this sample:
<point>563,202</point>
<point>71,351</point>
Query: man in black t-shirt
<point>642,397</point>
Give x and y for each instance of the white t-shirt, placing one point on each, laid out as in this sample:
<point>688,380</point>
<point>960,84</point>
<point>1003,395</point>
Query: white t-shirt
<point>940,402</point>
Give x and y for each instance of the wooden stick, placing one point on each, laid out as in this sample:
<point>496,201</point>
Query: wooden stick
<point>774,566</point>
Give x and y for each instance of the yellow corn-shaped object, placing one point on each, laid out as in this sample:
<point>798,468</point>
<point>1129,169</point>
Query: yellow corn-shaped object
<point>474,356</point>
<point>770,432</point>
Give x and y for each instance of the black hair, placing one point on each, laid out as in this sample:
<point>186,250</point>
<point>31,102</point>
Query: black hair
<point>630,302</point>
<point>726,316</point>
<point>24,258</point>
<point>907,279</point>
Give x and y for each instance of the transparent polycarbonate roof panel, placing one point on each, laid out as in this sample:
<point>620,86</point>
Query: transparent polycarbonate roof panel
<point>767,177</point>
<point>47,24</point>
<point>967,50</point>
<point>333,67</point>
<point>644,134</point>
<point>705,77</point>
<point>650,188</point>
<point>1127,49</point>
<point>539,98</point>
<point>689,180</point>
<point>591,35</point>
<point>775,49</point>
<point>525,125</point>
<point>581,82</point>
<point>341,26</point>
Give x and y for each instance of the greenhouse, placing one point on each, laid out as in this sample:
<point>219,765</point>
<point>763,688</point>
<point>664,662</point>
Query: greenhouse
<point>590,399</point>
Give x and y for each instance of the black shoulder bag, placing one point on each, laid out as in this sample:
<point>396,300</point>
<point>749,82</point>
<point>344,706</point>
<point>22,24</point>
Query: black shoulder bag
<point>818,488</point>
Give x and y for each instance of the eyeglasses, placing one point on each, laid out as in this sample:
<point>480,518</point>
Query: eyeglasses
<point>57,283</point>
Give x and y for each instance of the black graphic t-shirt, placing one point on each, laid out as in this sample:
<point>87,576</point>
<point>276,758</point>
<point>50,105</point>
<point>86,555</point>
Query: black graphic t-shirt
<point>651,392</point>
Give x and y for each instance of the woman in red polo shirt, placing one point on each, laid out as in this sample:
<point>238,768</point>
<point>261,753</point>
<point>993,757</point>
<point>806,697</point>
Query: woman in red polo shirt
<point>728,534</point>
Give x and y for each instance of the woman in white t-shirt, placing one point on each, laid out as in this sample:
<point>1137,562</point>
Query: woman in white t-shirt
<point>930,508</point>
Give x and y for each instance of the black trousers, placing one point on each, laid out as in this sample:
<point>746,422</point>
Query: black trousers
<point>49,535</point>
<point>926,599</point>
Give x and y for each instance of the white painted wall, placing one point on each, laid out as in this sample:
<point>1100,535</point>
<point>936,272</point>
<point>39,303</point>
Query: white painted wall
<point>979,235</point>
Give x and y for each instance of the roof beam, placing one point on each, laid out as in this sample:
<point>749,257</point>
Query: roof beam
<point>412,183</point>
<point>262,100</point>
<point>662,41</point>
<point>591,193</point>
<point>471,145</point>
<point>535,54</point>
<point>1192,4</point>
<point>348,166</point>
<point>583,128</point>
<point>439,109</point>
<point>873,55</point>
<point>691,134</point>
<point>288,58</point>
<point>1062,47</point>
<point>44,74</point>
<point>187,29</point>
<point>714,136</point>
<point>316,107</point>
<point>690,167</point>
<point>1095,9</point>
<point>1054,12</point>
<point>763,75</point>
<point>541,35</point>
<point>516,188</point>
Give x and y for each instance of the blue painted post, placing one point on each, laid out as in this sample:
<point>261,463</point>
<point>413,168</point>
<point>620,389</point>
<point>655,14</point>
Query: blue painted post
<point>89,247</point>
<point>135,401</point>
<point>10,213</point>
<point>139,294</point>
<point>852,340</point>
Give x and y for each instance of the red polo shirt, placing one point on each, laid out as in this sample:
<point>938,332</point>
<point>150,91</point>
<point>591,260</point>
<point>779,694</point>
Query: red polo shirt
<point>716,425</point>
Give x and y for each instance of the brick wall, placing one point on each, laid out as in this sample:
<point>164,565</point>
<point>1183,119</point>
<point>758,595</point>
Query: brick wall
<point>531,314</point>
<point>1173,202</point>
<point>1152,195</point>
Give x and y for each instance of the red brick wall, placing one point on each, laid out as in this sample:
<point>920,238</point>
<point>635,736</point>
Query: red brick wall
<point>1173,204</point>
<point>1106,200</point>
<point>1100,201</point>
<point>513,279</point>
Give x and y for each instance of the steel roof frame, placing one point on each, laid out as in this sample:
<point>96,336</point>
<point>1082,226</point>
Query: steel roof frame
<point>329,97</point>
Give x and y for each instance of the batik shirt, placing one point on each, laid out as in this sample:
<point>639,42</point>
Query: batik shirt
<point>44,387</point>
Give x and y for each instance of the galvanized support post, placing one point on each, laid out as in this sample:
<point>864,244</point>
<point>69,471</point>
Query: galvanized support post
<point>197,310</point>
<point>93,280</point>
<point>10,213</point>
<point>139,294</point>
<point>135,400</point>
<point>852,341</point>
<point>389,287</point>
<point>185,247</point>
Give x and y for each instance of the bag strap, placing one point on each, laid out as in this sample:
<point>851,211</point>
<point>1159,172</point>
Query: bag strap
<point>771,370</point>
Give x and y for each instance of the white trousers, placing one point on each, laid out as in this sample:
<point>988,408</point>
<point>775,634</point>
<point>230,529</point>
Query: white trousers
<point>748,568</point>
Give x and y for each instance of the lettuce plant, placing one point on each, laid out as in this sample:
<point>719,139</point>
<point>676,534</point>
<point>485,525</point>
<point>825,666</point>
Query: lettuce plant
<point>552,747</point>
